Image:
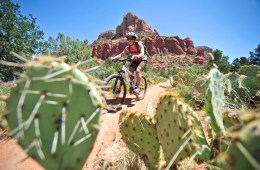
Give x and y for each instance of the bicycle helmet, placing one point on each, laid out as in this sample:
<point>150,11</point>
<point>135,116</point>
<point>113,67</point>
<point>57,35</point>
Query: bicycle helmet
<point>131,34</point>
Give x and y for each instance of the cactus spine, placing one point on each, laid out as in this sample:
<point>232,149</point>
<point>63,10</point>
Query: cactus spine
<point>54,114</point>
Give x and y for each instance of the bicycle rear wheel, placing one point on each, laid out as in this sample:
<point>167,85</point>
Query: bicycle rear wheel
<point>143,88</point>
<point>115,92</point>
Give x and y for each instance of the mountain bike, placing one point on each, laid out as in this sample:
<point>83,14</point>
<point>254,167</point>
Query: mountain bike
<point>118,83</point>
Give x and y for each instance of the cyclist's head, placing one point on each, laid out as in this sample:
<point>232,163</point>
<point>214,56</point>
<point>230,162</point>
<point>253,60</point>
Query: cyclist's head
<point>131,35</point>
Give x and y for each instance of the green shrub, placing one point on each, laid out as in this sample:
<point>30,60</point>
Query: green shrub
<point>4,91</point>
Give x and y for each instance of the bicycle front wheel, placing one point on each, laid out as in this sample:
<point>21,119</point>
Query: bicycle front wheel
<point>143,88</point>
<point>115,92</point>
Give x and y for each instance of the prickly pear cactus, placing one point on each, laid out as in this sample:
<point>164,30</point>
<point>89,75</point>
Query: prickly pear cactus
<point>185,78</point>
<point>189,78</point>
<point>139,133</point>
<point>200,85</point>
<point>233,78</point>
<point>214,102</point>
<point>179,131</point>
<point>231,120</point>
<point>54,113</point>
<point>252,73</point>
<point>244,150</point>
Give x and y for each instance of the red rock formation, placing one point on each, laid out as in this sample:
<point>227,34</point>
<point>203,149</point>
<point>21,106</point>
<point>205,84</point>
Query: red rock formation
<point>154,44</point>
<point>113,42</point>
<point>199,60</point>
<point>133,23</point>
<point>203,50</point>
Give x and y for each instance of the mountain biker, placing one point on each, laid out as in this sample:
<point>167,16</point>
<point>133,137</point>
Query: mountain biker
<point>139,62</point>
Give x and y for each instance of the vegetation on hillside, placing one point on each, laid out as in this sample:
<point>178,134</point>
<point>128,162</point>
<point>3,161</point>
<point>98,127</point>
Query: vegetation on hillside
<point>74,49</point>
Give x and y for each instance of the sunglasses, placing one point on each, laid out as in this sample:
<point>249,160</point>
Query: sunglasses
<point>129,38</point>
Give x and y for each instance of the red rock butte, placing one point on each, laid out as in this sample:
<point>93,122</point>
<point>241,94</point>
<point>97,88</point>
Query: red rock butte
<point>113,42</point>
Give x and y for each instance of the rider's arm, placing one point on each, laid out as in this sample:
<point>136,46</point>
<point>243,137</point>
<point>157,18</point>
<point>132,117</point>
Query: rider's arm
<point>124,52</point>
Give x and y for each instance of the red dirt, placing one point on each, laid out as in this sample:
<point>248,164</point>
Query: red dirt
<point>12,157</point>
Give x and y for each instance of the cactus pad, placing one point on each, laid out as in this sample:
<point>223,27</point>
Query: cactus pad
<point>214,102</point>
<point>54,114</point>
<point>139,133</point>
<point>200,85</point>
<point>245,149</point>
<point>179,130</point>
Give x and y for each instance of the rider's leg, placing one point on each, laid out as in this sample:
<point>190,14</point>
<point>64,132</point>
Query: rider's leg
<point>131,69</point>
<point>138,80</point>
<point>139,70</point>
<point>138,75</point>
<point>137,67</point>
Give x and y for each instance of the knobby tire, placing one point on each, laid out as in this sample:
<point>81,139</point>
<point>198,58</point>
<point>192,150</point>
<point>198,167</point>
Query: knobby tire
<point>143,88</point>
<point>113,82</point>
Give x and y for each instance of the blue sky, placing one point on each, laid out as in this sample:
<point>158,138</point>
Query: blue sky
<point>231,26</point>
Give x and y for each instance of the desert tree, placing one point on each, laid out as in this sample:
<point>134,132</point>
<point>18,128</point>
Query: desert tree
<point>19,34</point>
<point>255,56</point>
<point>75,50</point>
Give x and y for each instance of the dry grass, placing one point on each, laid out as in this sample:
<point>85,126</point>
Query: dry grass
<point>120,158</point>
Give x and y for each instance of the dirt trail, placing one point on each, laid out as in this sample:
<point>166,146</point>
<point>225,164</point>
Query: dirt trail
<point>12,156</point>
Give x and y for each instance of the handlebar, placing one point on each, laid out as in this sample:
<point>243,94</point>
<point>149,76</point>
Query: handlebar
<point>121,60</point>
<point>124,60</point>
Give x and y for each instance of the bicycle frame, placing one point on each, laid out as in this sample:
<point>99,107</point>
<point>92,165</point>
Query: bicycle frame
<point>127,74</point>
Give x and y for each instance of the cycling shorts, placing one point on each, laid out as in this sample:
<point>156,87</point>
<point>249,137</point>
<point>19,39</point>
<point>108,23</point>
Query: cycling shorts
<point>135,64</point>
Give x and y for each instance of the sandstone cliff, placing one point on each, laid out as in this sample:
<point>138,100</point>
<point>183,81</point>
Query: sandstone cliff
<point>112,42</point>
